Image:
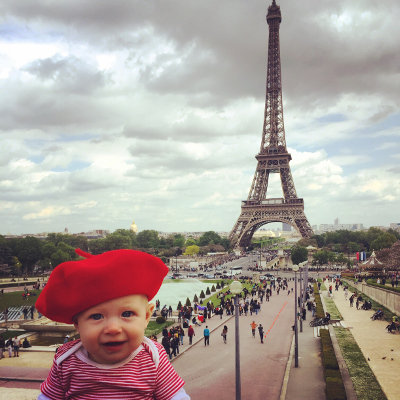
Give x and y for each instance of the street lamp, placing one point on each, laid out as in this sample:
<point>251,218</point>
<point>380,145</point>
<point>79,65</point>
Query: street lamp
<point>236,288</point>
<point>296,334</point>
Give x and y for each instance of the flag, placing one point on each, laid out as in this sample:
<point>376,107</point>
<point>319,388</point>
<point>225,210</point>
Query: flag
<point>358,256</point>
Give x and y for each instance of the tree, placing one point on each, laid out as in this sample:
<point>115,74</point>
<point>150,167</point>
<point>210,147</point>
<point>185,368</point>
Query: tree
<point>209,237</point>
<point>179,240</point>
<point>116,241</point>
<point>97,246</point>
<point>202,295</point>
<point>323,256</point>
<point>390,257</point>
<point>148,239</point>
<point>195,299</point>
<point>341,259</point>
<point>59,257</point>
<point>383,241</point>
<point>188,303</point>
<point>298,254</point>
<point>127,232</point>
<point>67,249</point>
<point>48,249</point>
<point>208,291</point>
<point>29,251</point>
<point>190,250</point>
<point>353,247</point>
<point>190,242</point>
<point>213,288</point>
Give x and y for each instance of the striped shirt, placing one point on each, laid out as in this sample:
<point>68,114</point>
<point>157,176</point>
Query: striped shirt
<point>145,374</point>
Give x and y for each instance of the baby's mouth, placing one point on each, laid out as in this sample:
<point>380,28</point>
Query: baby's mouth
<point>113,344</point>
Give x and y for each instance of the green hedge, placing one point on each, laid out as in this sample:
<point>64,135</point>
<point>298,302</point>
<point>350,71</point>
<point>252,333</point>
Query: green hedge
<point>319,309</point>
<point>372,282</point>
<point>334,383</point>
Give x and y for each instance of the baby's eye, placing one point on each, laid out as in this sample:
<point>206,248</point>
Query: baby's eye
<point>126,314</point>
<point>96,316</point>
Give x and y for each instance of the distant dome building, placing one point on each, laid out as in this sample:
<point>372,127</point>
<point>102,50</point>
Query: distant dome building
<point>134,227</point>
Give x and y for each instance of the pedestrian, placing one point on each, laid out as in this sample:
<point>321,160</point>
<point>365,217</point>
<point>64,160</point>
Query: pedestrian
<point>16,343</point>
<point>191,334</point>
<point>175,345</point>
<point>224,332</point>
<point>261,333</point>
<point>110,315</point>
<point>181,334</point>
<point>167,345</point>
<point>66,340</point>
<point>253,328</point>
<point>2,346</point>
<point>206,334</point>
<point>9,347</point>
<point>351,300</point>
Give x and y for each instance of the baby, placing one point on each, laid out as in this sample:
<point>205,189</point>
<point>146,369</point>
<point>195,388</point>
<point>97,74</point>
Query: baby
<point>106,297</point>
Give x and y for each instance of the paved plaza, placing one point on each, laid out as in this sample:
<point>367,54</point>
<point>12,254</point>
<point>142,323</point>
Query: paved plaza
<point>267,370</point>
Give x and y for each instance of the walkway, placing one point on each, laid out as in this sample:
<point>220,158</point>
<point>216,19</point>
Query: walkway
<point>375,342</point>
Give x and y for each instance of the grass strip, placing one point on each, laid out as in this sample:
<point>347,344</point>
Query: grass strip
<point>365,383</point>
<point>15,299</point>
<point>332,309</point>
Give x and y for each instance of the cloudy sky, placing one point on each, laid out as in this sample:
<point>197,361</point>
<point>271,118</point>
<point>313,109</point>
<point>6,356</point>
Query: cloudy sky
<point>153,111</point>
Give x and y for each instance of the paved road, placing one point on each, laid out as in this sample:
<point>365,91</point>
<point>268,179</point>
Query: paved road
<point>209,371</point>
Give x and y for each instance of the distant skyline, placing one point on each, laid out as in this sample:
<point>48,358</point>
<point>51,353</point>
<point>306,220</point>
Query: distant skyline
<point>153,111</point>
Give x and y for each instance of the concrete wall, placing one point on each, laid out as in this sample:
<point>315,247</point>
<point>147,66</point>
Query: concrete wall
<point>387,298</point>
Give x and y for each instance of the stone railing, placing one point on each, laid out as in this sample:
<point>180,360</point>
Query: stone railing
<point>389,299</point>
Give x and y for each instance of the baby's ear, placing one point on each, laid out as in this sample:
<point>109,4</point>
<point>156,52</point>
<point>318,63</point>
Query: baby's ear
<point>75,322</point>
<point>149,313</point>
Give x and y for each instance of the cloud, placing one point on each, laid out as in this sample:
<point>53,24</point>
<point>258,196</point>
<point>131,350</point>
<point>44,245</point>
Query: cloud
<point>154,111</point>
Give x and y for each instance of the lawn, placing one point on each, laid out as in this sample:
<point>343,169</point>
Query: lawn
<point>364,381</point>
<point>154,329</point>
<point>15,299</point>
<point>332,309</point>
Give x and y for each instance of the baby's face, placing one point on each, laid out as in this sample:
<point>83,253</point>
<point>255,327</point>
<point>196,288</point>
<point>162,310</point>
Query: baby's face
<point>112,330</point>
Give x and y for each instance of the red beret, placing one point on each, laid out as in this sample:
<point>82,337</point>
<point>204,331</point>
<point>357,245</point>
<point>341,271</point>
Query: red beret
<point>75,286</point>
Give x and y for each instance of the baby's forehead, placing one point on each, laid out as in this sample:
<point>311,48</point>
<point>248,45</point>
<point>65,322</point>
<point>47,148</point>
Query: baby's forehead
<point>132,300</point>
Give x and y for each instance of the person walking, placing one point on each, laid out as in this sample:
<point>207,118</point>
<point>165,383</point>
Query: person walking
<point>191,334</point>
<point>167,345</point>
<point>253,328</point>
<point>16,343</point>
<point>206,334</point>
<point>224,332</point>
<point>261,333</point>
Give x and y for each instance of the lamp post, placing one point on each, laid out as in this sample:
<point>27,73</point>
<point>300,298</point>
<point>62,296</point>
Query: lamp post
<point>301,304</point>
<point>296,335</point>
<point>236,288</point>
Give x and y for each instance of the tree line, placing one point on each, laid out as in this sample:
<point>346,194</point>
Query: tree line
<point>336,247</point>
<point>31,255</point>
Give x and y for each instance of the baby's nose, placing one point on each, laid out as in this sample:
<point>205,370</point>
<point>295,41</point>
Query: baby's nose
<point>112,327</point>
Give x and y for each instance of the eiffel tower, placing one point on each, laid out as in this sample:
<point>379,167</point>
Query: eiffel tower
<point>273,157</point>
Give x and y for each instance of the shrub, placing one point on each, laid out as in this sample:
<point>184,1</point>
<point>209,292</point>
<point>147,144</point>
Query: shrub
<point>195,299</point>
<point>202,295</point>
<point>213,288</point>
<point>160,320</point>
<point>222,284</point>
<point>208,291</point>
<point>179,305</point>
<point>188,303</point>
<point>218,286</point>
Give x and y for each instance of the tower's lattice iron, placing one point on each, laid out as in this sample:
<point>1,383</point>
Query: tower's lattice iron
<point>273,157</point>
